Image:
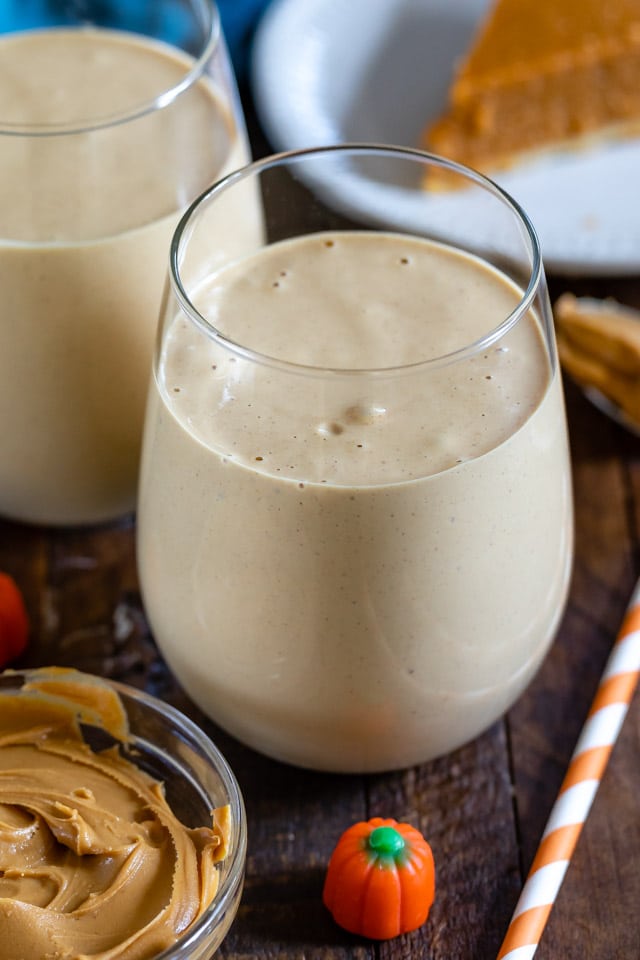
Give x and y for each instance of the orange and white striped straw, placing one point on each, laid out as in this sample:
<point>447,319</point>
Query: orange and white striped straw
<point>569,812</point>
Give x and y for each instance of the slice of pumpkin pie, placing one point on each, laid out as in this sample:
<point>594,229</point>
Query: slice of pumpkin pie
<point>540,74</point>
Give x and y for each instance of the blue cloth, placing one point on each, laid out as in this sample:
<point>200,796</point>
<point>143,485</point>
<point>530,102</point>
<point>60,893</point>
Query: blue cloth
<point>239,20</point>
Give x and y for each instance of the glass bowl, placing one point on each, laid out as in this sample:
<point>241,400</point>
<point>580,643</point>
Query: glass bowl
<point>170,747</point>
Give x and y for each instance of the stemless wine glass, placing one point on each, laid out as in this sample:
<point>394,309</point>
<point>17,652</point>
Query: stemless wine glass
<point>355,514</point>
<point>113,117</point>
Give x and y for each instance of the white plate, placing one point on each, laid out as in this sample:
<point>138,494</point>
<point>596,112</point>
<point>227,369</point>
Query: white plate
<point>332,71</point>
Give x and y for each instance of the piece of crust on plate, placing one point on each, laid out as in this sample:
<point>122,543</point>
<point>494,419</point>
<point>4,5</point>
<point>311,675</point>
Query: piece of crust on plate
<point>599,346</point>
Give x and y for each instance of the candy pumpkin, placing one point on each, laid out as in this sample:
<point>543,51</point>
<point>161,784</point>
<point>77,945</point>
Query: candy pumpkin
<point>14,623</point>
<point>380,880</point>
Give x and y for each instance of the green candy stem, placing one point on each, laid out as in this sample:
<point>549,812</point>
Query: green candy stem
<point>386,843</point>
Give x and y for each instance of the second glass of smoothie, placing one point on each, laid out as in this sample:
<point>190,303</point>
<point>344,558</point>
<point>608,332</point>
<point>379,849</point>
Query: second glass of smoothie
<point>113,117</point>
<point>355,515</point>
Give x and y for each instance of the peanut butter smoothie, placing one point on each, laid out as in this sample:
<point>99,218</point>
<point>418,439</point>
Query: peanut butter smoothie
<point>88,202</point>
<point>93,860</point>
<point>354,570</point>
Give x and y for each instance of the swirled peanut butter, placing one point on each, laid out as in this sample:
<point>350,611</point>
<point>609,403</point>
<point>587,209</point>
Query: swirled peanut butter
<point>93,861</point>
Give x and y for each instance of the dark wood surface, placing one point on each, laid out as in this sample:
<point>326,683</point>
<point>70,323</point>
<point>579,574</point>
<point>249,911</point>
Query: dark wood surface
<point>483,809</point>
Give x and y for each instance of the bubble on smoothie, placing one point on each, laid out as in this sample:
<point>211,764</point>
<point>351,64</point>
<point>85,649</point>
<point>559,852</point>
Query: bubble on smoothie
<point>330,428</point>
<point>356,415</point>
<point>361,414</point>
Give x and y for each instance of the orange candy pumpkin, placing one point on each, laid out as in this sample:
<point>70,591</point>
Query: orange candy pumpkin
<point>380,880</point>
<point>14,623</point>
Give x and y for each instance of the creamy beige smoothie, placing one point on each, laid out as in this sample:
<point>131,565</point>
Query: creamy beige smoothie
<point>355,572</point>
<point>85,225</point>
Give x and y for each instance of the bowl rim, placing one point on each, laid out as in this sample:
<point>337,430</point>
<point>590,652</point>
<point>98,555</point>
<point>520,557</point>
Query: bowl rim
<point>207,923</point>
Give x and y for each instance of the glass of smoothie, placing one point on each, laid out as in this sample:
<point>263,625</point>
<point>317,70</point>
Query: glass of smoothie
<point>113,117</point>
<point>355,513</point>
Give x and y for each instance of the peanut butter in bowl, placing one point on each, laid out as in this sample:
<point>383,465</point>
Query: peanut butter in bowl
<point>94,859</point>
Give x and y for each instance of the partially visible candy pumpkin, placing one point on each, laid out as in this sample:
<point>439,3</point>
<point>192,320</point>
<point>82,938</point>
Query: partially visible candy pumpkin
<point>380,880</point>
<point>14,623</point>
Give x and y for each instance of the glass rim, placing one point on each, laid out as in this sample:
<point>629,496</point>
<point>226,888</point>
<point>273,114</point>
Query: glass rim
<point>206,925</point>
<point>257,167</point>
<point>158,102</point>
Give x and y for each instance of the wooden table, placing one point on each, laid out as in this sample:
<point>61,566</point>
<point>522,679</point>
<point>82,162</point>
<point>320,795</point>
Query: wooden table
<point>483,808</point>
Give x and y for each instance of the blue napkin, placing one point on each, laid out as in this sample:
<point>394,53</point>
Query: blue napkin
<point>239,20</point>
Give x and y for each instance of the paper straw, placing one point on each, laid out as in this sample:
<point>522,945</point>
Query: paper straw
<point>582,779</point>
